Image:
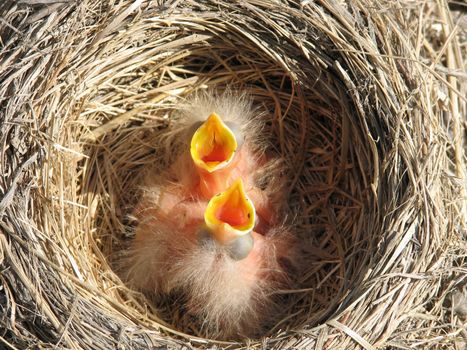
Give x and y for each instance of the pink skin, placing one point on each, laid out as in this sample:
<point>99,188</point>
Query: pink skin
<point>213,183</point>
<point>263,211</point>
<point>251,265</point>
<point>173,210</point>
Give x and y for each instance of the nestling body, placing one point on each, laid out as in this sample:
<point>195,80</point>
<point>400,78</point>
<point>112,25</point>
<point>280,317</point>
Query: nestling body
<point>208,232</point>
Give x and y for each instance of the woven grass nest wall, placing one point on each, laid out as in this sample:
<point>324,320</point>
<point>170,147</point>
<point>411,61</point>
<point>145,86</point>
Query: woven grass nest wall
<point>363,100</point>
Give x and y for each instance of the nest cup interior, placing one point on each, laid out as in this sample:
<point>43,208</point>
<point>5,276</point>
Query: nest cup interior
<point>338,118</point>
<point>306,123</point>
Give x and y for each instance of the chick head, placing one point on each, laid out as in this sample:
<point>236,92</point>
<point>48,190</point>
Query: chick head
<point>230,218</point>
<point>213,144</point>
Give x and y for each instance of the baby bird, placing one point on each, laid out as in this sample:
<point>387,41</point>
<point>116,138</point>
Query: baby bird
<point>224,138</point>
<point>211,254</point>
<point>208,227</point>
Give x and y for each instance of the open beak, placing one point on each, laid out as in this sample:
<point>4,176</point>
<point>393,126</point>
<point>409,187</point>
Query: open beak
<point>230,214</point>
<point>213,144</point>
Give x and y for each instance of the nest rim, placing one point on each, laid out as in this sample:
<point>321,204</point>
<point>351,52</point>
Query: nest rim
<point>107,126</point>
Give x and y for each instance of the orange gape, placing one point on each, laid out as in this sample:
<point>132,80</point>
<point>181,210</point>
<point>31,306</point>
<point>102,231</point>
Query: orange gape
<point>213,145</point>
<point>230,214</point>
<point>213,150</point>
<point>234,211</point>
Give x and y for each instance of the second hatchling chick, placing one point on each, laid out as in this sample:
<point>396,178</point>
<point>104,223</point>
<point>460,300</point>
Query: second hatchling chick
<point>211,254</point>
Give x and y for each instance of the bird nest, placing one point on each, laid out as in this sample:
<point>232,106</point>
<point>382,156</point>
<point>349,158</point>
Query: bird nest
<point>361,100</point>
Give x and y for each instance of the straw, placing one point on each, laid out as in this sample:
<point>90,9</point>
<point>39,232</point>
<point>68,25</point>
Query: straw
<point>364,101</point>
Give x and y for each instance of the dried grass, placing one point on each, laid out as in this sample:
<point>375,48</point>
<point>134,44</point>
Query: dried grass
<point>366,104</point>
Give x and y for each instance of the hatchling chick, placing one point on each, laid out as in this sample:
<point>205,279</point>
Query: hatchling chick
<point>210,253</point>
<point>218,139</point>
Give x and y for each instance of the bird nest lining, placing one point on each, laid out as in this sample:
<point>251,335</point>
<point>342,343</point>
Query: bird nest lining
<point>371,152</point>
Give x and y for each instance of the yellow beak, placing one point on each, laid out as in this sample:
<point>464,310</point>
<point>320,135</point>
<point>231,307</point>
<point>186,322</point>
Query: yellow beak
<point>230,214</point>
<point>213,144</point>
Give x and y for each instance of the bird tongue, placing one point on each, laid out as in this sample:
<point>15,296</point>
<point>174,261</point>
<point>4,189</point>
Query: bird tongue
<point>230,214</point>
<point>213,144</point>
